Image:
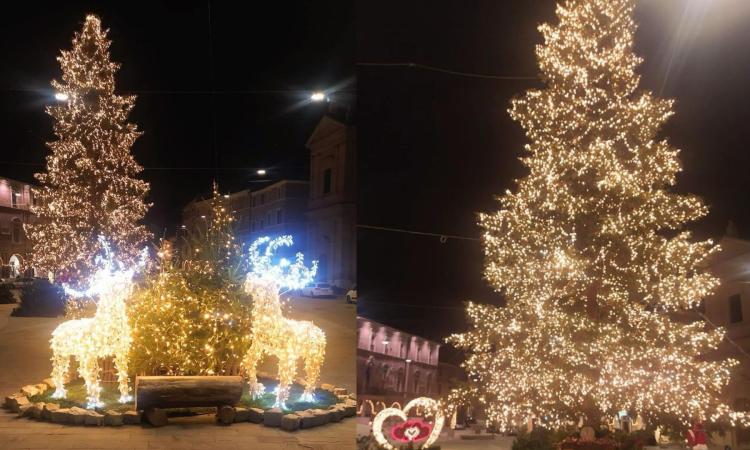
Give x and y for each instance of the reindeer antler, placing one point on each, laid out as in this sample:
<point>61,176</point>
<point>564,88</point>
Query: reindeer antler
<point>292,275</point>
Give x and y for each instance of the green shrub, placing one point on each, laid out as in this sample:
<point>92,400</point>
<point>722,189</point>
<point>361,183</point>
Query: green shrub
<point>539,439</point>
<point>6,296</point>
<point>41,299</point>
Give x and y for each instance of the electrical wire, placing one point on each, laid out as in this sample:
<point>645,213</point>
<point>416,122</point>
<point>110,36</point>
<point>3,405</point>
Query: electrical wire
<point>443,237</point>
<point>448,71</point>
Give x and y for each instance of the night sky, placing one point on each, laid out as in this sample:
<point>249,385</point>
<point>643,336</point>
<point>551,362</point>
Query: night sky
<point>434,148</point>
<point>260,63</point>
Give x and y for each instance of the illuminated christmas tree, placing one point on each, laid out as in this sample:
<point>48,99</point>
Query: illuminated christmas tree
<point>89,188</point>
<point>192,317</point>
<point>590,250</point>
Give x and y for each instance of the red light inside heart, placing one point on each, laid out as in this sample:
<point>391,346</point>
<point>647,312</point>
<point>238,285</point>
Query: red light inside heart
<point>411,431</point>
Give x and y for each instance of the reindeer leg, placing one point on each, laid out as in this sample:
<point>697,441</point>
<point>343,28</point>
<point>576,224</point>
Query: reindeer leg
<point>287,367</point>
<point>88,368</point>
<point>121,362</point>
<point>60,367</point>
<point>250,363</point>
<point>313,361</point>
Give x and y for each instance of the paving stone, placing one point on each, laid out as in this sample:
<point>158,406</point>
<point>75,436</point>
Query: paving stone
<point>272,417</point>
<point>131,417</point>
<point>25,410</point>
<point>307,419</point>
<point>78,415</point>
<point>156,417</point>
<point>30,390</point>
<point>241,414</point>
<point>337,413</point>
<point>113,418</point>
<point>290,422</point>
<point>37,409</point>
<point>93,418</point>
<point>323,416</point>
<point>62,415</point>
<point>225,414</point>
<point>256,415</point>
<point>14,402</point>
<point>48,409</point>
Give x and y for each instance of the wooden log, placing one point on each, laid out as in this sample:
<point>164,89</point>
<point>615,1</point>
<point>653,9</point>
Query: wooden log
<point>186,392</point>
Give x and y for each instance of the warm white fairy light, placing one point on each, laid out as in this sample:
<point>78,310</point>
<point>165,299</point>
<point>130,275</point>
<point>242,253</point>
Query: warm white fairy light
<point>272,333</point>
<point>590,250</point>
<point>106,334</point>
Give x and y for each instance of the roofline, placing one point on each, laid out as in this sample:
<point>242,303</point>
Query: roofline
<point>279,183</point>
<point>400,331</point>
<point>4,178</point>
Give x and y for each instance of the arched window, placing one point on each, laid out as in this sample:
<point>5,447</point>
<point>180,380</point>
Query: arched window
<point>16,230</point>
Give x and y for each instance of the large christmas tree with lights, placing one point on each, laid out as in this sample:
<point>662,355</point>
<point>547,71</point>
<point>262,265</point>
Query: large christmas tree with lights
<point>192,316</point>
<point>590,250</point>
<point>89,188</point>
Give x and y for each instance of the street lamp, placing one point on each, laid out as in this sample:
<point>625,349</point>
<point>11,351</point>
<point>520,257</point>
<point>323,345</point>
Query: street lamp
<point>317,96</point>
<point>61,96</point>
<point>261,171</point>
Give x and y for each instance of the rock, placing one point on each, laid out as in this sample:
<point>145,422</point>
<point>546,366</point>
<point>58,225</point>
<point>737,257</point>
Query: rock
<point>272,417</point>
<point>41,387</point>
<point>256,415</point>
<point>241,414</point>
<point>323,417</point>
<point>62,415</point>
<point>37,409</point>
<point>350,409</point>
<point>307,419</point>
<point>342,398</point>
<point>327,387</point>
<point>93,418</point>
<point>290,422</point>
<point>78,415</point>
<point>131,417</point>
<point>337,413</point>
<point>48,409</point>
<point>25,410</point>
<point>353,397</point>
<point>113,418</point>
<point>225,414</point>
<point>340,391</point>
<point>15,401</point>
<point>156,417</point>
<point>48,381</point>
<point>30,390</point>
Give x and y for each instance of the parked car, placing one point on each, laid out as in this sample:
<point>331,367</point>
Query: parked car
<point>318,290</point>
<point>351,295</point>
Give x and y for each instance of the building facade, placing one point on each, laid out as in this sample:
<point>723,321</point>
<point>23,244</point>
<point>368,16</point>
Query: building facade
<point>393,366</point>
<point>195,215</point>
<point>279,209</point>
<point>332,212</point>
<point>16,199</point>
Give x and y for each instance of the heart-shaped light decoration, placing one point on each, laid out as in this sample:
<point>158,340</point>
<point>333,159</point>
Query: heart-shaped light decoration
<point>410,430</point>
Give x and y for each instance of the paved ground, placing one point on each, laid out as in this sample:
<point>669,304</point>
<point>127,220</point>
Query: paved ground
<point>25,358</point>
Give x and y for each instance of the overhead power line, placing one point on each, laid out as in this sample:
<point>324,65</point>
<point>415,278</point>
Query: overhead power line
<point>414,65</point>
<point>443,237</point>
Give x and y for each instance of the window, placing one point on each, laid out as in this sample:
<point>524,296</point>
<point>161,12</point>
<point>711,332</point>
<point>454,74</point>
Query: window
<point>261,224</point>
<point>735,309</point>
<point>278,216</point>
<point>16,231</point>
<point>262,198</point>
<point>14,197</point>
<point>327,181</point>
<point>253,200</point>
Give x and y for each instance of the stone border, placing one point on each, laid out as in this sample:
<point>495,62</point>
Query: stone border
<point>20,404</point>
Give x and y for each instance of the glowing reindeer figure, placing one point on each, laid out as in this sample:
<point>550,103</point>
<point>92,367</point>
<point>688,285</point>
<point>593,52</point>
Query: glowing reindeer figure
<point>105,334</point>
<point>272,334</point>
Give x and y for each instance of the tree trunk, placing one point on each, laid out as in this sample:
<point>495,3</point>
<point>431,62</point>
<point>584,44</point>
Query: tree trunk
<point>185,392</point>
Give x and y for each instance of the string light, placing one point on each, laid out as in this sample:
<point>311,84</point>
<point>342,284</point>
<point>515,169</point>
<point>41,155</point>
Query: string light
<point>590,253</point>
<point>105,334</point>
<point>428,407</point>
<point>273,334</point>
<point>89,187</point>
